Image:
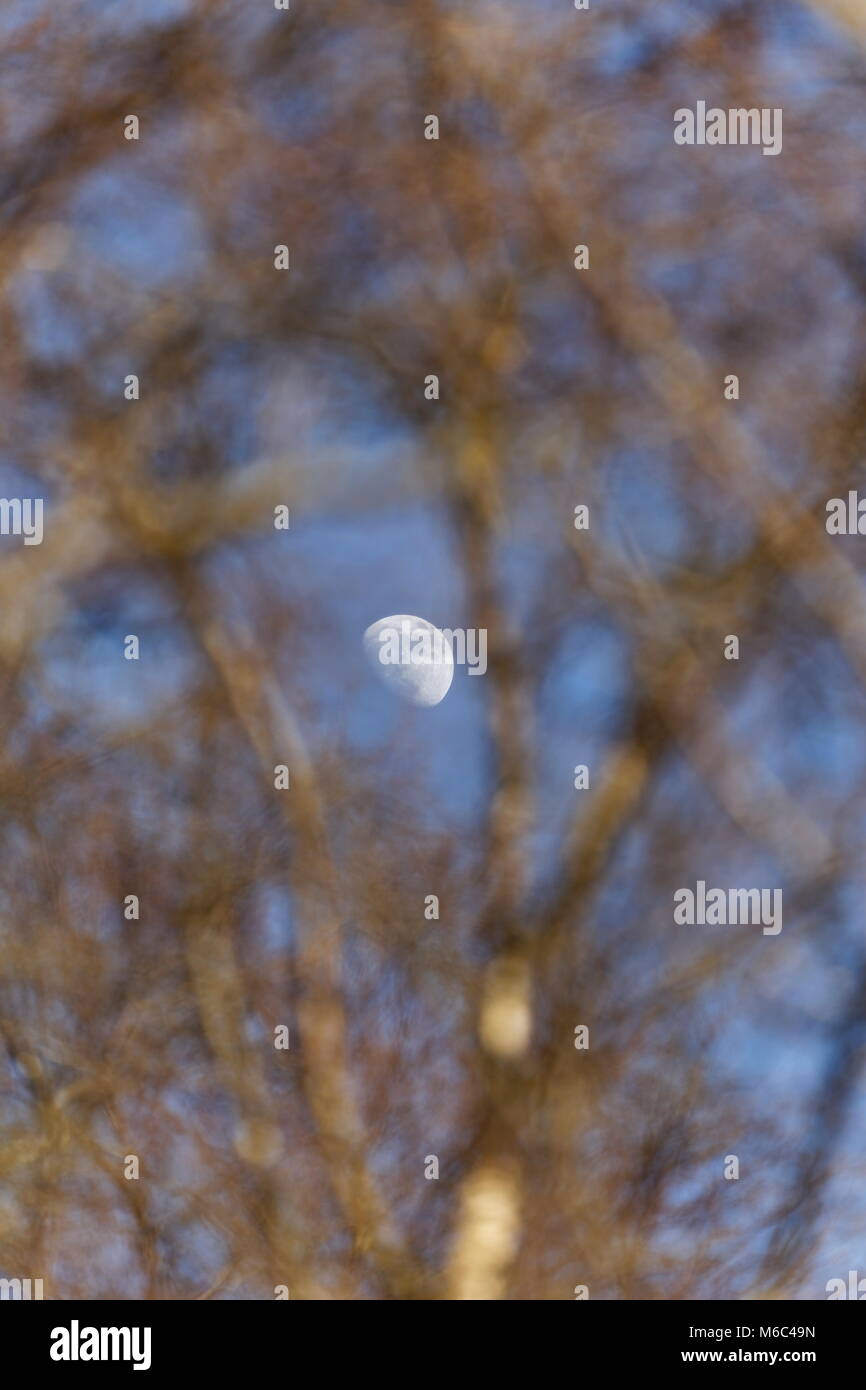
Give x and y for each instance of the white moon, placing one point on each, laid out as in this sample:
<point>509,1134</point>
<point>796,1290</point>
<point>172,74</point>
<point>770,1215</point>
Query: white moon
<point>412,657</point>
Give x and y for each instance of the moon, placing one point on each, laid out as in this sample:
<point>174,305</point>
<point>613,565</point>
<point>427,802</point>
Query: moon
<point>411,656</point>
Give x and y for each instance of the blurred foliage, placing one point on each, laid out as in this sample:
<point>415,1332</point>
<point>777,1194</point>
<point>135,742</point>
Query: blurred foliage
<point>559,387</point>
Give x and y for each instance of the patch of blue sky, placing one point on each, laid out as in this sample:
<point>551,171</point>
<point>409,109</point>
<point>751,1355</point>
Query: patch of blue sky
<point>18,14</point>
<point>87,670</point>
<point>138,228</point>
<point>805,730</point>
<point>50,327</point>
<point>125,17</point>
<point>275,918</point>
<point>643,510</point>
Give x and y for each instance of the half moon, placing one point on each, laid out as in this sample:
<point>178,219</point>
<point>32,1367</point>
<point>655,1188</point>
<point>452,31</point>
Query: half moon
<point>411,656</point>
